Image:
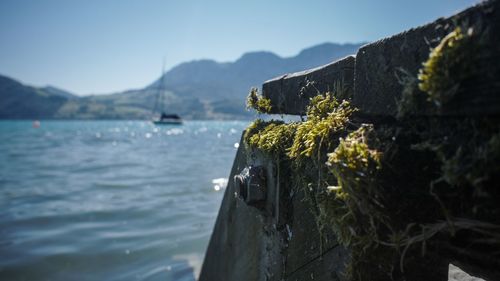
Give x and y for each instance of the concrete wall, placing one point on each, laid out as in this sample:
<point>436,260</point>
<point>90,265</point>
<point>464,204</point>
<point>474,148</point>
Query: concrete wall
<point>273,237</point>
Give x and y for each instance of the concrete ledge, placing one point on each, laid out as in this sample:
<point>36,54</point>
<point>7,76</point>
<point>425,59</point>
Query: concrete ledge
<point>378,65</point>
<point>290,93</point>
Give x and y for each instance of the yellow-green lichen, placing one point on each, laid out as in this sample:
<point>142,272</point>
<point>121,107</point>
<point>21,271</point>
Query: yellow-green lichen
<point>258,102</point>
<point>449,64</point>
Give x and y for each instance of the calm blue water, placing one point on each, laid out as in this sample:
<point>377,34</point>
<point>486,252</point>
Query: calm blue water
<point>110,200</point>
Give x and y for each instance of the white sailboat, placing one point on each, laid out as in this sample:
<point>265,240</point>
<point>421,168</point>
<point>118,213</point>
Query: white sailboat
<point>159,115</point>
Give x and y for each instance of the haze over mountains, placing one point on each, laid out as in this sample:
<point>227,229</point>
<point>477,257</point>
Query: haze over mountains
<point>201,89</point>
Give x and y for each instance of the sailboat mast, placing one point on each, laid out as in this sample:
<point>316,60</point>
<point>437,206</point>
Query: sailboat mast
<point>159,94</point>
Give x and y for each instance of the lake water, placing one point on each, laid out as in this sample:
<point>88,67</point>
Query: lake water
<point>110,200</point>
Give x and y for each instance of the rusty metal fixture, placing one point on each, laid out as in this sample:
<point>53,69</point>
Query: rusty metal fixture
<point>251,185</point>
<point>240,185</point>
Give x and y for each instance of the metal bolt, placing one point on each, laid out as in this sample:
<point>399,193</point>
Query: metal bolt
<point>251,185</point>
<point>241,186</point>
<point>256,185</point>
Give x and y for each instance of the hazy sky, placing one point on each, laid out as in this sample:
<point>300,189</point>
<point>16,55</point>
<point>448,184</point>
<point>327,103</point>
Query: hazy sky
<point>100,46</point>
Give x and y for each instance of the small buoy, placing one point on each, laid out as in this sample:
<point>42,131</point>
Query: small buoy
<point>36,124</point>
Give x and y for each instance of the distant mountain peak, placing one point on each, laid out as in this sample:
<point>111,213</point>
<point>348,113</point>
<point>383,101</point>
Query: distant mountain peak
<point>260,55</point>
<point>198,89</point>
<point>329,48</point>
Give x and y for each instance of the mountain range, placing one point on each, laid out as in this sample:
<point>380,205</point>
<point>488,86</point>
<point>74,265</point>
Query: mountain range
<point>200,89</point>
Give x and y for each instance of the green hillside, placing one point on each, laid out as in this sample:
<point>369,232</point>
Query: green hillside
<point>202,89</point>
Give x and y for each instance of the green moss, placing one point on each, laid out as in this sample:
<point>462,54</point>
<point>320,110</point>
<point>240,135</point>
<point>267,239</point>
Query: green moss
<point>354,165</point>
<point>258,102</point>
<point>321,106</point>
<point>475,166</point>
<point>363,191</point>
<point>325,117</point>
<point>272,137</point>
<point>355,186</point>
<point>254,128</point>
<point>353,157</point>
<point>305,145</point>
<point>449,64</point>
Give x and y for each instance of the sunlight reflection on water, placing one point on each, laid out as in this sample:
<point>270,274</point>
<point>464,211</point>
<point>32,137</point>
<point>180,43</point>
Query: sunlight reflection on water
<point>110,200</point>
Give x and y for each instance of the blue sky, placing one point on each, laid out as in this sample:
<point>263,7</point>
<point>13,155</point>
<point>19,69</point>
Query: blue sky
<point>103,46</point>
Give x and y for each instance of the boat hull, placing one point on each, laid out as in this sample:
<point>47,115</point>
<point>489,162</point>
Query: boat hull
<point>167,122</point>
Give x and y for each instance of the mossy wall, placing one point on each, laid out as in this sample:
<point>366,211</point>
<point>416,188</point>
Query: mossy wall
<point>394,178</point>
<point>399,193</point>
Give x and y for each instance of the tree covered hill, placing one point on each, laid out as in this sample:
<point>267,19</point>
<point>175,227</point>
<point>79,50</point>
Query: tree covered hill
<point>200,89</point>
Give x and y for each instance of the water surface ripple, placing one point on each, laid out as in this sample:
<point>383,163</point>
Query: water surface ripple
<point>110,200</point>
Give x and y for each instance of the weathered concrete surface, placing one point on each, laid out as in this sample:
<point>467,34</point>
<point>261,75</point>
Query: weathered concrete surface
<point>330,266</point>
<point>378,65</point>
<point>245,244</point>
<point>306,243</point>
<point>280,239</point>
<point>290,93</point>
<point>233,227</point>
<point>271,241</point>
